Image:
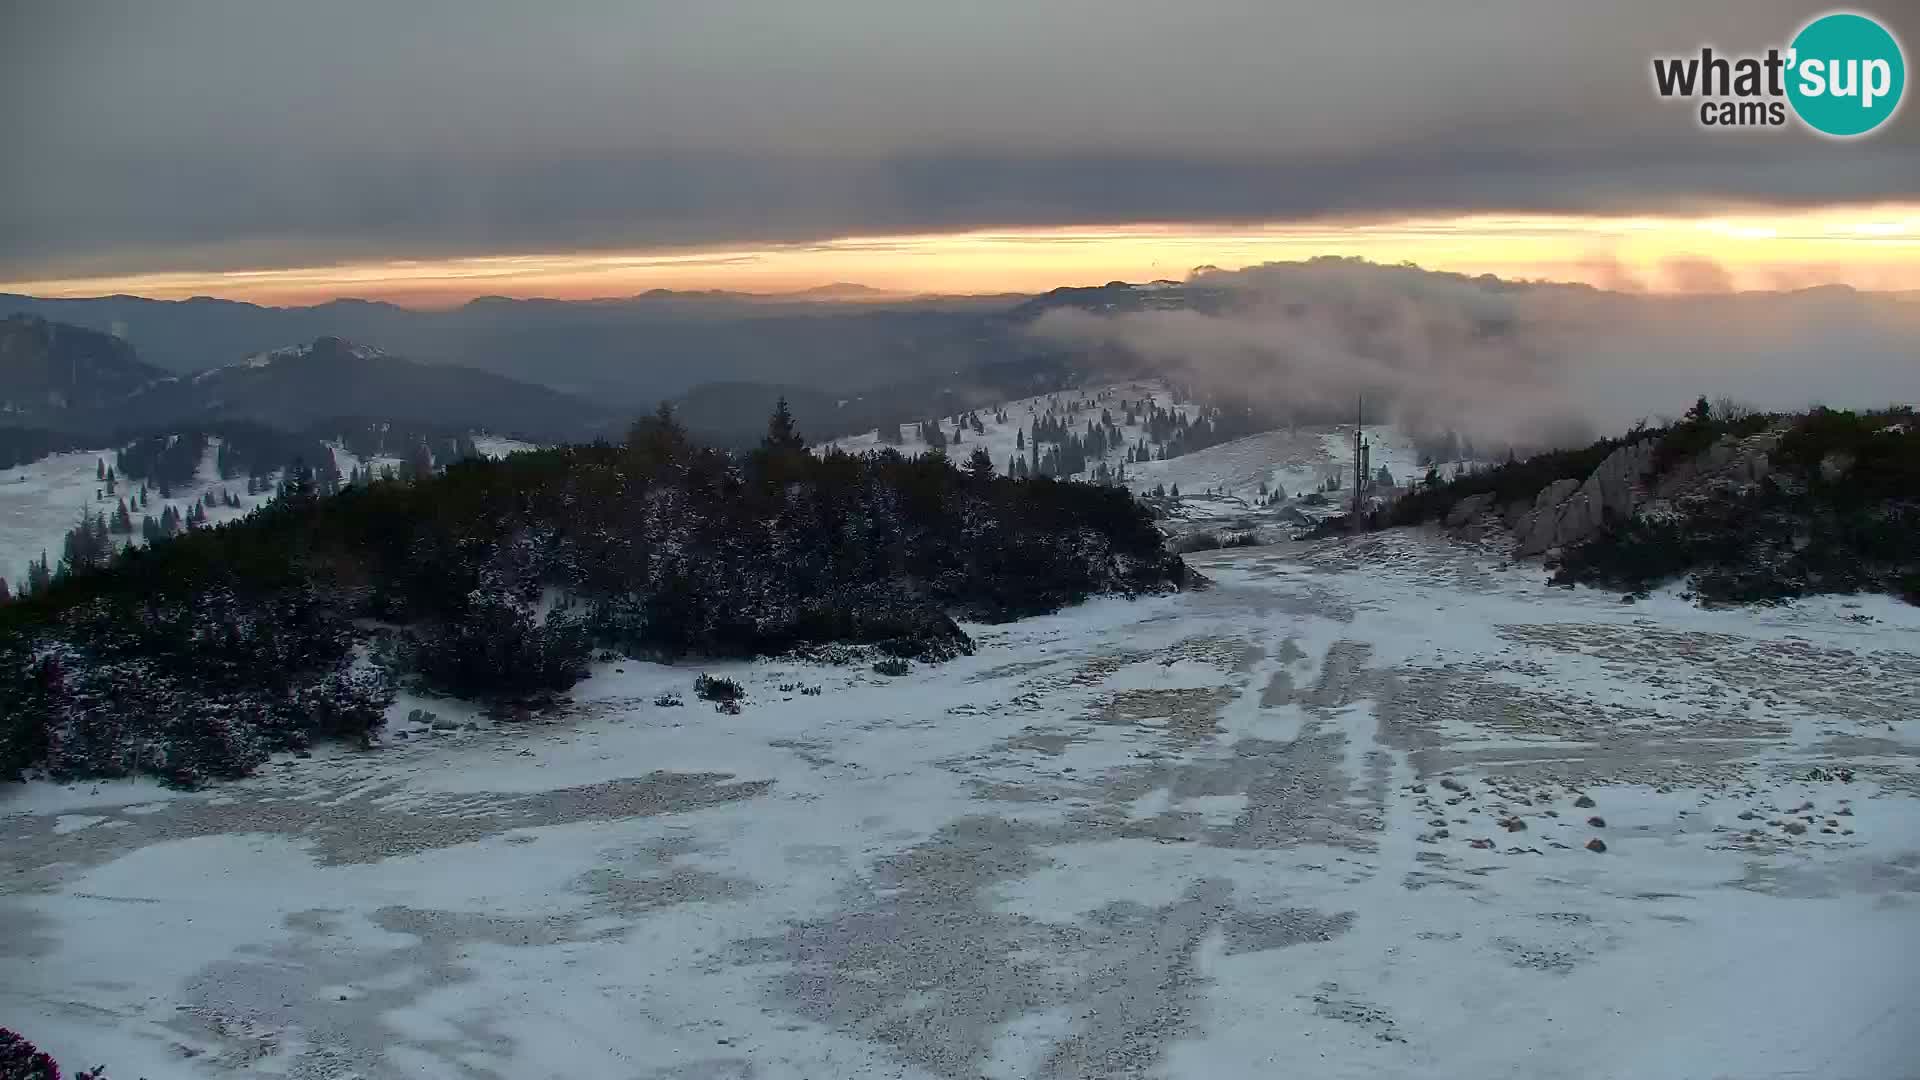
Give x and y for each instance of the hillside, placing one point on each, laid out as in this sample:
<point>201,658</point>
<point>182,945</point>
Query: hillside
<point>294,388</point>
<point>62,377</point>
<point>66,380</point>
<point>1744,506</point>
<point>197,655</point>
<point>41,501</point>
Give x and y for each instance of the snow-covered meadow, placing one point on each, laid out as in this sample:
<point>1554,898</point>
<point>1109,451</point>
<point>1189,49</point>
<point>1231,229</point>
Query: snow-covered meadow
<point>41,501</point>
<point>1329,817</point>
<point>1215,481</point>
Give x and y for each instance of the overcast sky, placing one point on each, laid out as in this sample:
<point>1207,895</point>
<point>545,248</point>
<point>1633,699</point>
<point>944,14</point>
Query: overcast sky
<point>201,135</point>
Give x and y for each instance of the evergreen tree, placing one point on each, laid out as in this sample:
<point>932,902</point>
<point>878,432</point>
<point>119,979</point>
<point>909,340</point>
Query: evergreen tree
<point>100,465</point>
<point>657,441</point>
<point>122,521</point>
<point>781,433</point>
<point>87,545</point>
<point>39,576</point>
<point>1019,440</point>
<point>980,464</point>
<point>4,594</point>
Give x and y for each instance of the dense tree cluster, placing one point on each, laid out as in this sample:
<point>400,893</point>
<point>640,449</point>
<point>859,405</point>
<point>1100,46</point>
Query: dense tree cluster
<point>24,446</point>
<point>164,461</point>
<point>197,656</point>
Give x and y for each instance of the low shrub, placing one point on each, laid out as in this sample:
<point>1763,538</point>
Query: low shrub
<point>21,1060</point>
<point>892,665</point>
<point>708,688</point>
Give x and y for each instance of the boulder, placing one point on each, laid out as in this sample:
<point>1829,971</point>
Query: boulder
<point>1467,510</point>
<point>1541,530</point>
<point>1570,511</point>
<point>1554,494</point>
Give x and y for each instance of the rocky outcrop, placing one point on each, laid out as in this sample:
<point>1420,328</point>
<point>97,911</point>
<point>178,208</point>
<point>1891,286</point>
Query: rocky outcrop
<point>1467,509</point>
<point>1569,511</point>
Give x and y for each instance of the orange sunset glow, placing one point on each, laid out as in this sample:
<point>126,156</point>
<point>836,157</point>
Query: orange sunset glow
<point>1873,247</point>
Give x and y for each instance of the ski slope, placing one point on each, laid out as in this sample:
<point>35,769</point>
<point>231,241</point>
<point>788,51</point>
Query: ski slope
<point>1327,818</point>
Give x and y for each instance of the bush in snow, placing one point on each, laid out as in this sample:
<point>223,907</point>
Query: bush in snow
<point>494,648</point>
<point>708,688</point>
<point>892,665</point>
<point>21,1060</point>
<point>188,692</point>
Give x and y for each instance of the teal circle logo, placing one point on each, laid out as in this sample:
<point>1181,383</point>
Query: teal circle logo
<point>1846,74</point>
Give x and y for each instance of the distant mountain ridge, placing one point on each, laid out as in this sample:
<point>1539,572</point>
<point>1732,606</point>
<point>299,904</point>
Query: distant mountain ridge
<point>295,387</point>
<point>72,379</point>
<point>631,351</point>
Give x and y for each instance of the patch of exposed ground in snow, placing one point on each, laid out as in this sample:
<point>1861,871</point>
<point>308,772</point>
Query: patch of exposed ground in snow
<point>1328,817</point>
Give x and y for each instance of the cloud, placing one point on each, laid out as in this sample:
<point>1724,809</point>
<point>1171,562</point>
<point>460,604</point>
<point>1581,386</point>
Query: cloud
<point>206,134</point>
<point>1506,363</point>
<point>1696,274</point>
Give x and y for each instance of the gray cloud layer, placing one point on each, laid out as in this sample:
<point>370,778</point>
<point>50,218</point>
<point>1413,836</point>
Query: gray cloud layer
<point>1532,365</point>
<point>201,133</point>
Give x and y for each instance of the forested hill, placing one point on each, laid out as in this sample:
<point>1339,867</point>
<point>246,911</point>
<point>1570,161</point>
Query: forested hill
<point>197,656</point>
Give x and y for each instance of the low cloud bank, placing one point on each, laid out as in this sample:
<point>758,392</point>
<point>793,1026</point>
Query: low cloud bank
<point>1507,363</point>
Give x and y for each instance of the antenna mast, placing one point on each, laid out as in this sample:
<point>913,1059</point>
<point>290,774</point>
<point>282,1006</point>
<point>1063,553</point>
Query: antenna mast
<point>1359,465</point>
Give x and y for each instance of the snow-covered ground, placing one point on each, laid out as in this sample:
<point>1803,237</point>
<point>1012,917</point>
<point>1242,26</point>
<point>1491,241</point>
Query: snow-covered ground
<point>493,446</point>
<point>1250,831</point>
<point>496,446</point>
<point>41,501</point>
<point>1003,440</point>
<point>1215,482</point>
